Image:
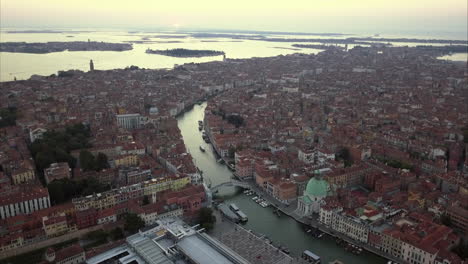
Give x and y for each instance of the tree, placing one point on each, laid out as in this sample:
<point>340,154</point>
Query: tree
<point>101,162</point>
<point>116,233</point>
<point>462,249</point>
<point>133,223</point>
<point>43,159</point>
<point>56,193</point>
<point>92,185</point>
<point>87,161</point>
<point>446,220</point>
<point>64,190</point>
<point>98,235</point>
<point>55,146</point>
<point>343,154</point>
<point>8,116</point>
<point>236,120</point>
<point>206,218</point>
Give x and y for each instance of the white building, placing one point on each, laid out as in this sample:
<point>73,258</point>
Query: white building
<point>130,121</point>
<point>151,216</point>
<point>306,155</point>
<point>36,134</point>
<point>24,202</point>
<point>313,198</point>
<point>412,254</point>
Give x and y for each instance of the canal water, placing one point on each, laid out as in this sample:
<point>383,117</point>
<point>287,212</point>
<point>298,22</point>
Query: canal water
<point>282,230</point>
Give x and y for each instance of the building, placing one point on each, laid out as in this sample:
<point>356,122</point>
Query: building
<point>24,200</point>
<point>36,133</point>
<point>350,226</point>
<point>125,161</point>
<point>316,190</point>
<point>459,217</point>
<point>107,215</point>
<point>285,192</point>
<point>151,213</point>
<point>86,218</point>
<point>97,201</point>
<point>190,199</point>
<point>55,225</point>
<point>73,254</point>
<point>244,168</point>
<point>306,155</point>
<point>24,173</point>
<point>134,175</point>
<point>129,121</point>
<point>57,171</point>
<point>171,241</point>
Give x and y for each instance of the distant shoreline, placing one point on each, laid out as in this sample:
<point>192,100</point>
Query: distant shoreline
<point>368,41</point>
<point>186,53</point>
<point>50,47</point>
<point>46,31</point>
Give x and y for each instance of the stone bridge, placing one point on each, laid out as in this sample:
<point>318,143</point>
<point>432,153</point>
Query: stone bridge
<point>229,184</point>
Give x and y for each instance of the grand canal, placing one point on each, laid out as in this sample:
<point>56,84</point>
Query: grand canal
<point>281,230</point>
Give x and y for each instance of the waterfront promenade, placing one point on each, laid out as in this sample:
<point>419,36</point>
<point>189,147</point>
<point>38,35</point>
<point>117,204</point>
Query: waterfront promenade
<point>290,211</point>
<point>312,221</point>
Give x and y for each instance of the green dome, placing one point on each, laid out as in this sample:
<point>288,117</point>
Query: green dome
<point>317,187</point>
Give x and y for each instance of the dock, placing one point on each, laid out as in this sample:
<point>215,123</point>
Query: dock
<point>228,213</point>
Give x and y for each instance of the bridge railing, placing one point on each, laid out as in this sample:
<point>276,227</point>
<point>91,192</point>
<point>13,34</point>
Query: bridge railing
<point>230,183</point>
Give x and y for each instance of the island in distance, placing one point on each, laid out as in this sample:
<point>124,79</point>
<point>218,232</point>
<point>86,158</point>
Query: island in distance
<point>49,47</point>
<point>186,53</point>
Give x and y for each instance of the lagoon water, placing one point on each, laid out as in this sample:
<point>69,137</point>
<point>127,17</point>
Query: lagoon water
<point>23,65</point>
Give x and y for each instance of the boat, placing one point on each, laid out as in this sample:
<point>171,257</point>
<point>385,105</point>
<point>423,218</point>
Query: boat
<point>285,250</point>
<point>310,257</point>
<point>202,149</point>
<point>242,216</point>
<point>200,123</point>
<point>200,128</point>
<point>255,198</point>
<point>353,249</point>
<point>233,207</point>
<point>228,213</point>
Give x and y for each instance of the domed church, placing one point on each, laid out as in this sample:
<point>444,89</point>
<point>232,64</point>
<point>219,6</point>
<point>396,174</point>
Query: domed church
<point>317,189</point>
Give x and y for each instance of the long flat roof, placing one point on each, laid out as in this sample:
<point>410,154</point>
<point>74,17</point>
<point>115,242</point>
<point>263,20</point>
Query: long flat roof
<point>199,251</point>
<point>108,254</point>
<point>148,250</point>
<point>310,254</point>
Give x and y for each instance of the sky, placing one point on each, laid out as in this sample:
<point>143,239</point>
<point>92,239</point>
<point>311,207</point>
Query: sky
<point>339,16</point>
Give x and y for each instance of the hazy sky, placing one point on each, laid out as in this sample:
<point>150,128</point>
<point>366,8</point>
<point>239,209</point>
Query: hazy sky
<point>370,16</point>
